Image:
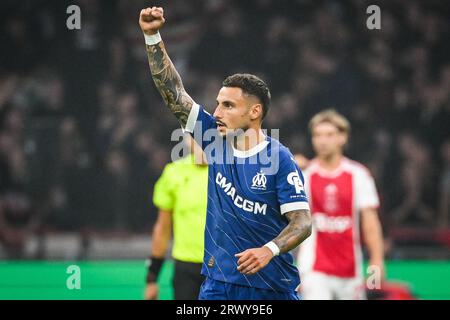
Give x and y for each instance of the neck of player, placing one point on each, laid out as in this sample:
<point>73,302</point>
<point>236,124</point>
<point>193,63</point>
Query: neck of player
<point>249,139</point>
<point>331,162</point>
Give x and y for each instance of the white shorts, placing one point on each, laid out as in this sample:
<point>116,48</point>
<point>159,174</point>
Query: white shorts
<point>320,286</point>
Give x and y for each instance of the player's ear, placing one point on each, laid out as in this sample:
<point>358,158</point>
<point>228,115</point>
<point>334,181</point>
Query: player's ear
<point>343,138</point>
<point>256,111</point>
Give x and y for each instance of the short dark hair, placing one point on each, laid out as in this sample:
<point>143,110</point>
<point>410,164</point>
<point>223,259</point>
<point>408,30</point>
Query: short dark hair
<point>250,84</point>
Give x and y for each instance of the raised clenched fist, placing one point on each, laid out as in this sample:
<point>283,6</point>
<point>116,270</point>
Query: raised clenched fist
<point>151,20</point>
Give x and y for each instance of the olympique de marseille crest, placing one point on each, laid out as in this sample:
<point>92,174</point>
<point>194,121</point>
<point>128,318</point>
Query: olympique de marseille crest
<point>259,181</point>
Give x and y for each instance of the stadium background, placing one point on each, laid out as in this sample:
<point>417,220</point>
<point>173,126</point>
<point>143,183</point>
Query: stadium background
<point>84,134</point>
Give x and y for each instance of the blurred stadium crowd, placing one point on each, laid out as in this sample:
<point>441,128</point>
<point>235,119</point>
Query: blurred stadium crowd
<point>84,134</point>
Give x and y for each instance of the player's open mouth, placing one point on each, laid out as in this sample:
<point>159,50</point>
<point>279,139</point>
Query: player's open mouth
<point>221,124</point>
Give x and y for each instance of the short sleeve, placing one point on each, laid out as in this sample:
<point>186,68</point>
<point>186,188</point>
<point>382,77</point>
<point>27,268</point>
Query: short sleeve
<point>290,185</point>
<point>366,192</point>
<point>202,126</point>
<point>163,191</point>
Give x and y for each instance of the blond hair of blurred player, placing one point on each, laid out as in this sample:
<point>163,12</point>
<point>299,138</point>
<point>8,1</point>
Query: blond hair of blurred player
<point>341,193</point>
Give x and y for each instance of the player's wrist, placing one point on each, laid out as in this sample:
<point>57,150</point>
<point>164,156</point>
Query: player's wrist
<point>153,38</point>
<point>272,246</point>
<point>154,266</point>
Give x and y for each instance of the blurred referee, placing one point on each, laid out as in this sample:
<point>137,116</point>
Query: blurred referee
<point>180,194</point>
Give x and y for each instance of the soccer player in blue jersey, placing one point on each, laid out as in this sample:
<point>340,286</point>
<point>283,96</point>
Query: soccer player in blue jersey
<point>257,208</point>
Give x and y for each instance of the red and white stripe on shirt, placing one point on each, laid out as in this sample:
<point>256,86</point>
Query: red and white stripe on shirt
<point>336,199</point>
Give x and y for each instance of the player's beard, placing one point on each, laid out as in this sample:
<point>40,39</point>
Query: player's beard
<point>232,132</point>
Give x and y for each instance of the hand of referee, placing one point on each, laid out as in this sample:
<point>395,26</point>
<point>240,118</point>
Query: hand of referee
<point>252,260</point>
<point>151,291</point>
<point>151,20</point>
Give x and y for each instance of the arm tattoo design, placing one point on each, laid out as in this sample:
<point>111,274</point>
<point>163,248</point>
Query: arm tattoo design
<point>298,229</point>
<point>168,82</point>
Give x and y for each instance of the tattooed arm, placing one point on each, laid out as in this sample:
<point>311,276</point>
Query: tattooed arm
<point>164,74</point>
<point>299,228</point>
<point>168,82</point>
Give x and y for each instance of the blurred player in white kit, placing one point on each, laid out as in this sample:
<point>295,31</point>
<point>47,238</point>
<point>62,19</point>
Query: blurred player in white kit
<point>341,192</point>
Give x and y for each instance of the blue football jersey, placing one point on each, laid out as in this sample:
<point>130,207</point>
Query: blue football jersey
<point>248,193</point>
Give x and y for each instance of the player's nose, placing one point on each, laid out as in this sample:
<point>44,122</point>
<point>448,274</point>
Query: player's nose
<point>218,113</point>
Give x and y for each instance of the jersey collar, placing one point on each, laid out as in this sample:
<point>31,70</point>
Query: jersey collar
<point>251,152</point>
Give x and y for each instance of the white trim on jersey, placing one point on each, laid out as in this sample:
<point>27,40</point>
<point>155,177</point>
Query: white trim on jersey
<point>366,196</point>
<point>315,167</point>
<point>251,152</point>
<point>358,190</point>
<point>192,118</point>
<point>294,206</point>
